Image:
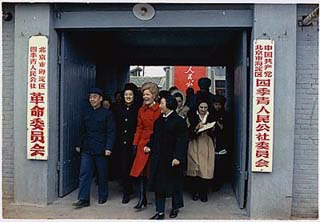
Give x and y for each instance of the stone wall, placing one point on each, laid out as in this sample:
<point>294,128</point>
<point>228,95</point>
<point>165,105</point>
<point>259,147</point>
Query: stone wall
<point>305,179</point>
<point>7,103</point>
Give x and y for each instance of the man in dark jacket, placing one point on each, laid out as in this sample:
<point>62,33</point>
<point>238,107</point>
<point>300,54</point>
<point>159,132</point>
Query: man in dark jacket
<point>96,141</point>
<point>223,143</point>
<point>204,84</point>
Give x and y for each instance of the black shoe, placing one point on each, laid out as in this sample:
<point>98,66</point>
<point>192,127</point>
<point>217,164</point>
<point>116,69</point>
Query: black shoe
<point>81,203</point>
<point>195,197</point>
<point>125,198</point>
<point>142,193</point>
<point>174,213</point>
<point>141,203</point>
<point>204,197</point>
<point>102,201</point>
<point>157,216</point>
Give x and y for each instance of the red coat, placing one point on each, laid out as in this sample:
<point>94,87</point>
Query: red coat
<point>146,117</point>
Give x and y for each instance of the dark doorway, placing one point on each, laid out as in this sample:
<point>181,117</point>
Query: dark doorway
<point>112,51</point>
<point>77,75</point>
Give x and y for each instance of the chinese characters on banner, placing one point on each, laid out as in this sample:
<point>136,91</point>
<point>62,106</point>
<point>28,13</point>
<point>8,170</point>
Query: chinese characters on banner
<point>37,106</point>
<point>263,85</point>
<point>188,76</point>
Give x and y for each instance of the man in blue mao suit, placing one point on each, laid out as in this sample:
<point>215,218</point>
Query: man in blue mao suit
<point>97,137</point>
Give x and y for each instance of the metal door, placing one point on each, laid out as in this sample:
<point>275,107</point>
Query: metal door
<point>240,119</point>
<point>77,75</point>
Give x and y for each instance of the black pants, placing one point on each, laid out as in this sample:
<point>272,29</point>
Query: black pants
<point>127,185</point>
<point>177,201</point>
<point>221,171</point>
<point>200,185</point>
<point>121,163</point>
<point>127,180</point>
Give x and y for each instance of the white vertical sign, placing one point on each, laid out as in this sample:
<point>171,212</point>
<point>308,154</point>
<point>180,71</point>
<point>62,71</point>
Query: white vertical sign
<point>37,106</point>
<point>263,95</point>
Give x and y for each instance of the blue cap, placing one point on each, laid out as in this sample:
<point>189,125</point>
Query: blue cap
<point>96,91</point>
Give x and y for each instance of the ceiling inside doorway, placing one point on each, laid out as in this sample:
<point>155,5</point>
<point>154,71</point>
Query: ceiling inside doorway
<point>179,46</point>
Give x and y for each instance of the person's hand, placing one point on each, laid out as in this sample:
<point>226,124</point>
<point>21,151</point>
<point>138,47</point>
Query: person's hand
<point>199,126</point>
<point>78,149</point>
<point>134,150</point>
<point>175,162</point>
<point>107,152</point>
<point>146,149</point>
<point>220,125</point>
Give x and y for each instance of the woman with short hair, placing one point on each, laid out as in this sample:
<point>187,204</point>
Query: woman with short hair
<point>168,146</point>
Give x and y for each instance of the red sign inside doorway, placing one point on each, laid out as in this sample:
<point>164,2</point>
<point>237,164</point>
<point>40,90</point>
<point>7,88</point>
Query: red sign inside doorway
<point>188,76</point>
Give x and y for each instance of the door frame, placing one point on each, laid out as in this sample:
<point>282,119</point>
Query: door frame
<point>238,19</point>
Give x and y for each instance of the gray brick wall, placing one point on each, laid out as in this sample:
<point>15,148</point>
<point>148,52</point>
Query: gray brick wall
<point>305,172</point>
<point>7,104</point>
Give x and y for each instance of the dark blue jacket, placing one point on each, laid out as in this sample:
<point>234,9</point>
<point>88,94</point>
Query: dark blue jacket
<point>97,131</point>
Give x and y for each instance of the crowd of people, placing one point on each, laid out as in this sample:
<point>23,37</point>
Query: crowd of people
<point>151,140</point>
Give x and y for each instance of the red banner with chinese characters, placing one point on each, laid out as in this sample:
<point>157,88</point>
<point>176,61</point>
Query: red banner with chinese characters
<point>263,94</point>
<point>37,106</point>
<point>188,76</point>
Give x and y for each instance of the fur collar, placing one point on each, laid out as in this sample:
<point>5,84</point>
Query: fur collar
<point>204,119</point>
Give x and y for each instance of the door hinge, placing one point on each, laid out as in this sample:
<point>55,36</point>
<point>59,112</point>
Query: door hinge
<point>58,166</point>
<point>248,61</point>
<point>59,59</point>
<point>246,175</point>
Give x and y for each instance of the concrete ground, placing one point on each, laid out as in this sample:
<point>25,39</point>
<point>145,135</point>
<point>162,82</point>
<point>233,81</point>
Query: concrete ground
<point>221,205</point>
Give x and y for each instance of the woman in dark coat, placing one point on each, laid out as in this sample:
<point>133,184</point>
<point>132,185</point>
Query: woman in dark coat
<point>168,146</point>
<point>126,120</point>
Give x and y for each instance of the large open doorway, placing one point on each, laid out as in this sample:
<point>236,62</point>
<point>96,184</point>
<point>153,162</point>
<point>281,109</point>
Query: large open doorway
<point>102,58</point>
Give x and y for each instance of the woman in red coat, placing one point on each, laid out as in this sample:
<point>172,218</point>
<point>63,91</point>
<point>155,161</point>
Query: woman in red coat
<point>147,115</point>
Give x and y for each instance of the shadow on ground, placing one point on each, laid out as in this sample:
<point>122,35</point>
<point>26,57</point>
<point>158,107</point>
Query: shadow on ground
<point>221,205</point>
